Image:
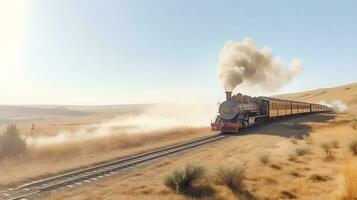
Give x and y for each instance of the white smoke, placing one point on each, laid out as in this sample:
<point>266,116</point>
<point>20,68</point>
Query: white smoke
<point>182,110</point>
<point>336,105</point>
<point>243,64</point>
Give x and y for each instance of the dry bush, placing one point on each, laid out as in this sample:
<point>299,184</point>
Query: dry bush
<point>232,177</point>
<point>335,144</point>
<point>11,142</point>
<point>353,146</point>
<point>295,174</point>
<point>327,148</point>
<point>180,180</point>
<point>301,151</point>
<point>264,158</point>
<point>292,157</point>
<point>275,166</point>
<point>319,178</point>
<point>287,195</point>
<point>294,140</point>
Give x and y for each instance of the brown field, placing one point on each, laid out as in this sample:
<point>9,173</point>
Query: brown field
<point>43,160</point>
<point>296,168</point>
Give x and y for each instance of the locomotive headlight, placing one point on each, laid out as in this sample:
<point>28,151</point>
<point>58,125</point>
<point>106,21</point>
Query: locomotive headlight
<point>228,109</point>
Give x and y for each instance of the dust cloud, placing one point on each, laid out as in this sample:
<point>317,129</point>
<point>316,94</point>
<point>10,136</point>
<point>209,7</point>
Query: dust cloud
<point>337,105</point>
<point>189,110</point>
<point>243,65</point>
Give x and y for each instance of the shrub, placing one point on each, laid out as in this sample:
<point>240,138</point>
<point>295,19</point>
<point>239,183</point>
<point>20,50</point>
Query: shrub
<point>335,144</point>
<point>275,166</point>
<point>292,157</point>
<point>11,142</point>
<point>232,177</point>
<point>327,148</point>
<point>301,151</point>
<point>264,158</point>
<point>319,178</point>
<point>181,179</point>
<point>353,146</point>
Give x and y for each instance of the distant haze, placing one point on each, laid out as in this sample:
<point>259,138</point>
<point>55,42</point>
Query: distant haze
<point>243,64</point>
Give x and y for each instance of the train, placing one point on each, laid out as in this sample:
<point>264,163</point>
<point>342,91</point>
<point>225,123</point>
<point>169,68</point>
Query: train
<point>241,111</point>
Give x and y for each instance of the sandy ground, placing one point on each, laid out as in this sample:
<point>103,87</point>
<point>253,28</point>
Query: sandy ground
<point>270,181</point>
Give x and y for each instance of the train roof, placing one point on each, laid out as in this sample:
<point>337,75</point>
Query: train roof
<point>284,100</point>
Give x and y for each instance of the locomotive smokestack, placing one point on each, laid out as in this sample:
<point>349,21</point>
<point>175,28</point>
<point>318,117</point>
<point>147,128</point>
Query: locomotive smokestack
<point>228,95</point>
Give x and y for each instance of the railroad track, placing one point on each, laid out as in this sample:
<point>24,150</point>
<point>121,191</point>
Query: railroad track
<point>78,177</point>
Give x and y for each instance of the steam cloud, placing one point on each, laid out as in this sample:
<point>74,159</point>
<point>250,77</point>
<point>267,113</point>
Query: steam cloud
<point>242,63</point>
<point>336,105</point>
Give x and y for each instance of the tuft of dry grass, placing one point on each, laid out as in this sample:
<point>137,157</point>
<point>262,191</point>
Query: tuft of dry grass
<point>287,195</point>
<point>231,176</point>
<point>12,143</point>
<point>295,174</point>
<point>319,178</point>
<point>292,157</point>
<point>327,148</point>
<point>350,178</point>
<point>301,151</point>
<point>335,144</point>
<point>353,146</point>
<point>275,166</point>
<point>264,158</point>
<point>180,180</point>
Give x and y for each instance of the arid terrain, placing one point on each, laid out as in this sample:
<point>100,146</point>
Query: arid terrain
<point>79,136</point>
<point>284,160</point>
<point>306,157</point>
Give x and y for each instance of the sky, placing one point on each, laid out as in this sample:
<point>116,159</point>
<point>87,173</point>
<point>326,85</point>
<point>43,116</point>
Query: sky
<point>142,51</point>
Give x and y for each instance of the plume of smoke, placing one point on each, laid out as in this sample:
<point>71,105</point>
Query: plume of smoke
<point>243,64</point>
<point>336,105</point>
<point>189,110</point>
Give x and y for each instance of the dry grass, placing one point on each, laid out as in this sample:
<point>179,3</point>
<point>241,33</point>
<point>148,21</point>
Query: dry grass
<point>335,144</point>
<point>292,157</point>
<point>328,150</point>
<point>264,158</point>
<point>319,178</point>
<point>231,176</point>
<point>275,166</point>
<point>353,146</point>
<point>301,151</point>
<point>350,178</point>
<point>180,180</point>
<point>40,160</point>
<point>11,143</point>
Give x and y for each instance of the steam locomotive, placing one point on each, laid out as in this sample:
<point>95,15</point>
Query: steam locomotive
<point>242,111</point>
